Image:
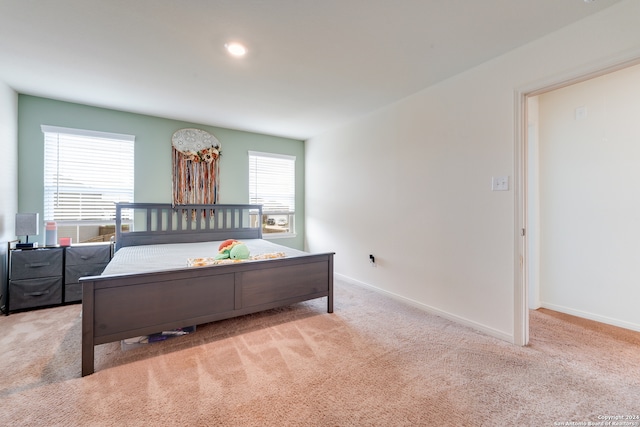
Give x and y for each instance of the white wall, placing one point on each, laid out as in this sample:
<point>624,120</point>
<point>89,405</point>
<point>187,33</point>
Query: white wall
<point>411,183</point>
<point>590,199</point>
<point>8,173</point>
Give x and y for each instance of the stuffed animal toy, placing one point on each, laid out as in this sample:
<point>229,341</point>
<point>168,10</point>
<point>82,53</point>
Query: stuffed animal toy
<point>232,249</point>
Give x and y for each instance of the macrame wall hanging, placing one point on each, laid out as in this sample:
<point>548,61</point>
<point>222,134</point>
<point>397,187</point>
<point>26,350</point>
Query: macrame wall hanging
<point>196,155</point>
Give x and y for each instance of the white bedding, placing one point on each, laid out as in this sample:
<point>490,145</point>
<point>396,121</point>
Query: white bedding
<point>148,258</point>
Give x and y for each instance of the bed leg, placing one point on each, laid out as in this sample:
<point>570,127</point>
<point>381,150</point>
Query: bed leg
<point>87,360</point>
<point>87,329</point>
<point>330,296</point>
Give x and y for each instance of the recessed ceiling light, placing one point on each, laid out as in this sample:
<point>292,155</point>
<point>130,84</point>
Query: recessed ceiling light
<point>236,49</point>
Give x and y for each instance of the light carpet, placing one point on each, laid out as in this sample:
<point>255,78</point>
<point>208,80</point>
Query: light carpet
<point>374,362</point>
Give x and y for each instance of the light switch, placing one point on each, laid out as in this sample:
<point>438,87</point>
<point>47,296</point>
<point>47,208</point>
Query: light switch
<point>500,183</point>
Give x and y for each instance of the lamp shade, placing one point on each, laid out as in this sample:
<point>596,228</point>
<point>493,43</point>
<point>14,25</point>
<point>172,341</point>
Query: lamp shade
<point>27,224</point>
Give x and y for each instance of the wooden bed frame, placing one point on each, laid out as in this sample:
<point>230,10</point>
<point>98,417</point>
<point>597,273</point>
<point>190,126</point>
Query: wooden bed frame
<point>116,307</point>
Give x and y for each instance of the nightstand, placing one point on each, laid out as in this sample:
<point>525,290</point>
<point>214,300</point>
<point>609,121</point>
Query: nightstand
<point>35,278</point>
<point>82,260</point>
<point>49,275</point>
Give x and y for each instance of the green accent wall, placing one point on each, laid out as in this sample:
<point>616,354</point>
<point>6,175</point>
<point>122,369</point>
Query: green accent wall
<point>152,154</point>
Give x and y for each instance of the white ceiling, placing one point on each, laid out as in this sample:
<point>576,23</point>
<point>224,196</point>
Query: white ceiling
<point>312,64</point>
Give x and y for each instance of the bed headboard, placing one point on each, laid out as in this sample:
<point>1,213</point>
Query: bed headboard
<point>158,223</point>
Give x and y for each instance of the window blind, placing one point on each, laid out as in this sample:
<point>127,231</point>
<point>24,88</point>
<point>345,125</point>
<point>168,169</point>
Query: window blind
<point>272,182</point>
<point>85,173</point>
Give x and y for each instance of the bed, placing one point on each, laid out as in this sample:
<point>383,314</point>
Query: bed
<point>136,296</point>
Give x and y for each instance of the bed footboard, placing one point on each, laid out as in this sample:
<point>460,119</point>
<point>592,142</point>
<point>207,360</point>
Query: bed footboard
<point>117,307</point>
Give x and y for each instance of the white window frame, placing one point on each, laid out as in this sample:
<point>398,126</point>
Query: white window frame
<point>285,199</point>
<point>116,186</point>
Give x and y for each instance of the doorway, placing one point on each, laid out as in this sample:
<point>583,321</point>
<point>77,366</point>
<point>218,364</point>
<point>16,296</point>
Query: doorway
<point>572,264</point>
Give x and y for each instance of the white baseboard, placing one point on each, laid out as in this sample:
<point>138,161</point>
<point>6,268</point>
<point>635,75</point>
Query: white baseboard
<point>591,316</point>
<point>432,310</point>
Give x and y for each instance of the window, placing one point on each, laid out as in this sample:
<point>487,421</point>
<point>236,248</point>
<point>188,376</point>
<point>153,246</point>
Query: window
<point>85,173</point>
<point>272,184</point>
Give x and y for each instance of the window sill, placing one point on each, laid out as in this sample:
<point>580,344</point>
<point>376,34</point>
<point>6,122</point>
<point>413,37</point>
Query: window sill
<point>276,236</point>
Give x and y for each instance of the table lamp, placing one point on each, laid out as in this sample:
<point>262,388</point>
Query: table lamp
<point>26,225</point>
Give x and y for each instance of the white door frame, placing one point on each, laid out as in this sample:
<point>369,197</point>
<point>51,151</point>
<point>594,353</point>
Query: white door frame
<point>522,164</point>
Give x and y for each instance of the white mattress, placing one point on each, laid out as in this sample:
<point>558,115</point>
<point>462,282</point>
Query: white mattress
<point>148,258</point>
